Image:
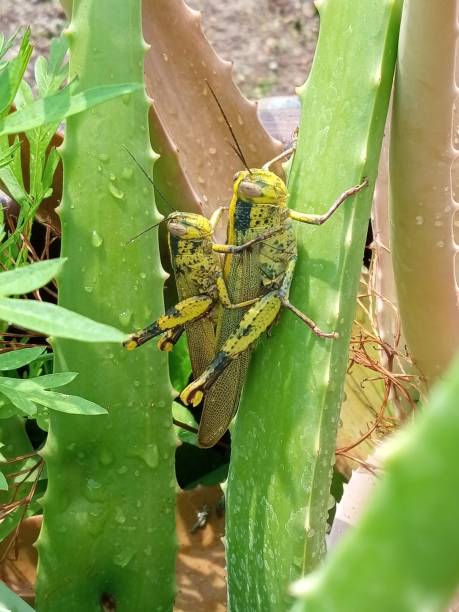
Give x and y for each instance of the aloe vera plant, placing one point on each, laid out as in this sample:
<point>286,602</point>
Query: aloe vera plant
<point>404,553</point>
<point>108,537</point>
<point>424,176</point>
<point>284,437</point>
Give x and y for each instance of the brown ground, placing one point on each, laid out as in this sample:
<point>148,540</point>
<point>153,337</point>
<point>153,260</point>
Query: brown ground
<point>271,42</point>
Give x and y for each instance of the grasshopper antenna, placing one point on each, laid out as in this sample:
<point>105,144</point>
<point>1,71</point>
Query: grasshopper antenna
<point>237,149</point>
<point>151,181</point>
<point>147,229</point>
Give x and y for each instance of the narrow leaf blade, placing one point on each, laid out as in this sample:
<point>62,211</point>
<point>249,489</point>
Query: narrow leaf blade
<point>56,321</point>
<point>17,359</point>
<point>30,277</point>
<point>57,107</point>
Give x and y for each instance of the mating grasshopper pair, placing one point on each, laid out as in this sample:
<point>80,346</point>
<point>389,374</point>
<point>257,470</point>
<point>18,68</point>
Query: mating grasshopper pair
<point>255,282</point>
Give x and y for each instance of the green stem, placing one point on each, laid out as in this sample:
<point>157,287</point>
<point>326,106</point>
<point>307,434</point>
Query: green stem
<point>284,438</point>
<point>108,540</point>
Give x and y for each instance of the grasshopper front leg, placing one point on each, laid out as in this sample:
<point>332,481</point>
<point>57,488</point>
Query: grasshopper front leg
<point>320,219</point>
<point>175,318</point>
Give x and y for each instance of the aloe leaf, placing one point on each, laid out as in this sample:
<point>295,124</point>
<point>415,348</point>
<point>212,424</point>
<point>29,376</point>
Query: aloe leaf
<point>30,277</point>
<point>57,107</point>
<point>404,553</point>
<point>111,480</point>
<point>424,177</point>
<point>285,433</point>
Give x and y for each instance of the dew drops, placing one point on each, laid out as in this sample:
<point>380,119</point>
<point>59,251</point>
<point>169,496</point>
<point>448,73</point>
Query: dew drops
<point>96,239</point>
<point>122,470</point>
<point>93,484</point>
<point>103,157</point>
<point>88,288</point>
<point>115,192</point>
<point>419,220</point>
<point>212,150</point>
<point>122,558</point>
<point>105,457</point>
<point>125,317</point>
<point>127,173</point>
<point>151,456</point>
<point>119,516</point>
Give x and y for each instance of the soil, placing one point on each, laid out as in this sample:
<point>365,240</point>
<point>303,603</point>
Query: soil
<point>271,42</point>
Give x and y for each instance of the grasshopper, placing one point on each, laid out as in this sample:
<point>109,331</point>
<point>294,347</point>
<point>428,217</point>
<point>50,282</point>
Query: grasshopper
<point>200,288</point>
<point>262,275</point>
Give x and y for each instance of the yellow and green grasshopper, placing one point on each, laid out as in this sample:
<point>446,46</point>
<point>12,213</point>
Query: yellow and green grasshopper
<point>262,275</point>
<point>200,287</point>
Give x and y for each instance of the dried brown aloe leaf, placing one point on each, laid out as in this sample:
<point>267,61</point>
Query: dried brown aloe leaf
<point>197,164</point>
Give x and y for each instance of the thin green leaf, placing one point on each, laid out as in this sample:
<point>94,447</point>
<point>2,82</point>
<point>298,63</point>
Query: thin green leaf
<point>12,73</point>
<point>56,321</point>
<point>49,74</point>
<point>182,414</point>
<point>9,387</point>
<point>63,104</point>
<point>52,381</point>
<point>5,46</point>
<point>62,402</point>
<point>28,278</point>
<point>3,483</point>
<point>17,359</point>
<point>7,156</point>
<point>50,168</point>
<point>11,175</point>
<point>7,410</point>
<point>180,365</point>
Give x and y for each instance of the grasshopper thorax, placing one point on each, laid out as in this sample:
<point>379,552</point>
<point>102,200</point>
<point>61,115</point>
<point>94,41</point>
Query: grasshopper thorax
<point>260,187</point>
<point>189,226</point>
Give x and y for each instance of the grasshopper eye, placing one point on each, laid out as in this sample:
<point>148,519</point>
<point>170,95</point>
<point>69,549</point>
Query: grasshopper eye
<point>177,229</point>
<point>249,189</point>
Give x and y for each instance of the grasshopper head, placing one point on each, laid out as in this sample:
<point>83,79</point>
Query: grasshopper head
<point>260,187</point>
<point>189,226</point>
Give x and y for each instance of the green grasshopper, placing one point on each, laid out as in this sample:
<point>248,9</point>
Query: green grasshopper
<point>262,275</point>
<point>200,287</point>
